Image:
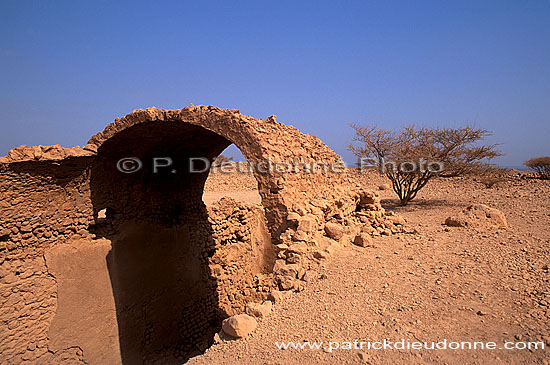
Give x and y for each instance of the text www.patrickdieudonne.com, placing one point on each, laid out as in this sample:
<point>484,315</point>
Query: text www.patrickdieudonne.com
<point>404,344</point>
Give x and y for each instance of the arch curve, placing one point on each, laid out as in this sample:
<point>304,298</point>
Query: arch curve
<point>259,140</point>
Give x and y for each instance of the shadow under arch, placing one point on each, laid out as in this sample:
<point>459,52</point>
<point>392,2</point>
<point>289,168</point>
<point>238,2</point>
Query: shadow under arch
<point>165,296</point>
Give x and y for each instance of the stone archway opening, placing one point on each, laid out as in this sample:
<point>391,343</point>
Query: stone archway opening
<point>165,294</point>
<point>231,175</point>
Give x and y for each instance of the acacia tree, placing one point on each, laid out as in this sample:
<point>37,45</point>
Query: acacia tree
<point>541,165</point>
<point>411,156</point>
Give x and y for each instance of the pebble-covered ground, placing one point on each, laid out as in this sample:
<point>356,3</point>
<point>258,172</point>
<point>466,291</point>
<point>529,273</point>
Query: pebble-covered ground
<point>448,283</point>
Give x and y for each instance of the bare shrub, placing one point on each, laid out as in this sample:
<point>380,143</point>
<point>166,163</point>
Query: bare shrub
<point>456,149</point>
<point>541,165</point>
<point>492,176</point>
<point>221,160</point>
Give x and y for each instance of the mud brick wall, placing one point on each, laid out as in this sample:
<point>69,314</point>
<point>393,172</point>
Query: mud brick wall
<point>37,211</point>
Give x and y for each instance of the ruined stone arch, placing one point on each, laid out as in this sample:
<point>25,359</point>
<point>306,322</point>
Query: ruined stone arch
<point>182,134</point>
<point>212,129</point>
<point>150,276</point>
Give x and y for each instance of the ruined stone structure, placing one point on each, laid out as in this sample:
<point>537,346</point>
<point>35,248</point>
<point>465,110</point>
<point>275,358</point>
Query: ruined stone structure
<point>100,266</point>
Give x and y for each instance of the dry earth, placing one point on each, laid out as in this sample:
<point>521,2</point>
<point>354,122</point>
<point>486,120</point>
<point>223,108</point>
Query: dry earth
<point>444,283</point>
<point>241,187</point>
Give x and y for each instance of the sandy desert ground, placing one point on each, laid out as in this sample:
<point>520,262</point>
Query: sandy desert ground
<point>448,283</point>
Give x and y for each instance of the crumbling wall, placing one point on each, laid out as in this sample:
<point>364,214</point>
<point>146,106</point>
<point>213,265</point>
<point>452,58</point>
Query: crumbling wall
<point>244,255</point>
<point>175,267</point>
<point>38,211</point>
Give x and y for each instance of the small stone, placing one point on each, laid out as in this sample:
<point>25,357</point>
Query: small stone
<point>102,214</point>
<point>309,276</point>
<point>384,187</point>
<point>290,270</point>
<point>305,225</point>
<point>286,282</point>
<point>300,236</point>
<point>320,255</point>
<point>293,217</point>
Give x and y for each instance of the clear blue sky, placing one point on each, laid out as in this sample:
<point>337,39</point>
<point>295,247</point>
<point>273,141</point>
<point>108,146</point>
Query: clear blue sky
<point>71,67</point>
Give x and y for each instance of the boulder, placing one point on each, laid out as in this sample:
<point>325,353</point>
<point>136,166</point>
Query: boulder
<point>478,216</point>
<point>334,230</point>
<point>239,325</point>
<point>384,187</point>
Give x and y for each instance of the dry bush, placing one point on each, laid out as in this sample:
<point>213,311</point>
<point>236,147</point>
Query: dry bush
<point>221,160</point>
<point>491,176</point>
<point>456,149</point>
<point>541,165</point>
<point>490,181</point>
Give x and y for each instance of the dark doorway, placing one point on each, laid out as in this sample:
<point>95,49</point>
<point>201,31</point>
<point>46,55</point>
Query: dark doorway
<point>166,302</point>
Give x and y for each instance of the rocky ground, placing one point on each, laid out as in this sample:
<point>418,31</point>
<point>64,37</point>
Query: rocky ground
<point>454,283</point>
